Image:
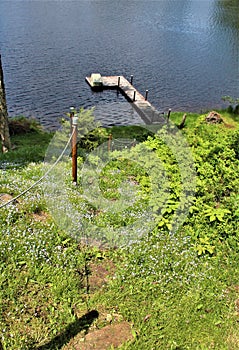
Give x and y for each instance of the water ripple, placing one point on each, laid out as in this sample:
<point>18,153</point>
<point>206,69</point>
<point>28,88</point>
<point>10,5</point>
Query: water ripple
<point>184,52</point>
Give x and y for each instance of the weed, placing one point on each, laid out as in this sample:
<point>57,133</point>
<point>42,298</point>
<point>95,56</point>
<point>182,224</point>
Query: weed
<point>180,291</point>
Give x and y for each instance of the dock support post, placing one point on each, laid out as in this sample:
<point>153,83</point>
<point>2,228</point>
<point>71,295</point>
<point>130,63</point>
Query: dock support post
<point>134,95</point>
<point>118,81</point>
<point>131,79</point>
<point>74,149</point>
<point>146,95</point>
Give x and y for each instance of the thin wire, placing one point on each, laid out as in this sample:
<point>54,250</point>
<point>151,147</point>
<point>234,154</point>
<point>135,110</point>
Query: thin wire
<point>41,178</point>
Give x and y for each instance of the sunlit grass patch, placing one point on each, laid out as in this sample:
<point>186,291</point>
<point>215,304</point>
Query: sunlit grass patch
<point>179,290</point>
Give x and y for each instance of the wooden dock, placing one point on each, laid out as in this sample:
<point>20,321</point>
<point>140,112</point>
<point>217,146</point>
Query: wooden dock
<point>147,112</point>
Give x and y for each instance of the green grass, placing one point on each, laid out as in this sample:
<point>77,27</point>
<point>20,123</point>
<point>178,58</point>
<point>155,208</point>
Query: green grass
<point>129,132</point>
<point>175,299</point>
<point>30,147</point>
<point>179,291</point>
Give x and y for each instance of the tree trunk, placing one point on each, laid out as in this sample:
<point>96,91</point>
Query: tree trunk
<point>4,130</point>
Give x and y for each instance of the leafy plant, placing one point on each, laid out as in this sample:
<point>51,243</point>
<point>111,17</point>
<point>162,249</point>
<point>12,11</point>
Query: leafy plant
<point>179,290</point>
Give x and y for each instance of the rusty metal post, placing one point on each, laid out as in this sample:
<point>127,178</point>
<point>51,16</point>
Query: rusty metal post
<point>146,95</point>
<point>72,111</point>
<point>131,79</point>
<point>74,149</point>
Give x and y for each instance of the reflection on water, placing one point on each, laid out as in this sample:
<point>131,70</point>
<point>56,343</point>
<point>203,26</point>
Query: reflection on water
<point>225,17</point>
<point>116,113</point>
<point>184,52</point>
<point>226,14</point>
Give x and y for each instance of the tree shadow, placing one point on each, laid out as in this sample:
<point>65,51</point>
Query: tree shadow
<point>81,324</point>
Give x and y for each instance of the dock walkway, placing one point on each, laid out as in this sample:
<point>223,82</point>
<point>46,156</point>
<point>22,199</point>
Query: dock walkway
<point>147,112</point>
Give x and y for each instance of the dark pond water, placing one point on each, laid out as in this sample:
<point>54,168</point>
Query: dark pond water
<point>185,52</point>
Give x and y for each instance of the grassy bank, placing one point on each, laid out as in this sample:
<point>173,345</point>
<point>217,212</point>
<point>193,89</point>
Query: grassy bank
<point>177,291</point>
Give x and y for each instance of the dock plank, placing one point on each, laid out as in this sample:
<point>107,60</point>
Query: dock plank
<point>147,112</point>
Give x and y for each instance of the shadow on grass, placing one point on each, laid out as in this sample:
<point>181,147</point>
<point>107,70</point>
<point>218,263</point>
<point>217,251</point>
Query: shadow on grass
<point>26,149</point>
<point>81,324</point>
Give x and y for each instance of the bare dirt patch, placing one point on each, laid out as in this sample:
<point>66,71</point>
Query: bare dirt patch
<point>41,216</point>
<point>99,274</point>
<point>5,197</point>
<point>102,339</point>
<point>108,329</point>
<point>229,126</point>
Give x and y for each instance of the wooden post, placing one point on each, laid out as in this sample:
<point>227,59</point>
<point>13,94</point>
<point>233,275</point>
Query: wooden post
<point>118,81</point>
<point>146,95</point>
<point>134,95</point>
<point>169,112</point>
<point>109,142</point>
<point>131,79</point>
<point>74,149</point>
<point>72,110</point>
<point>183,121</point>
